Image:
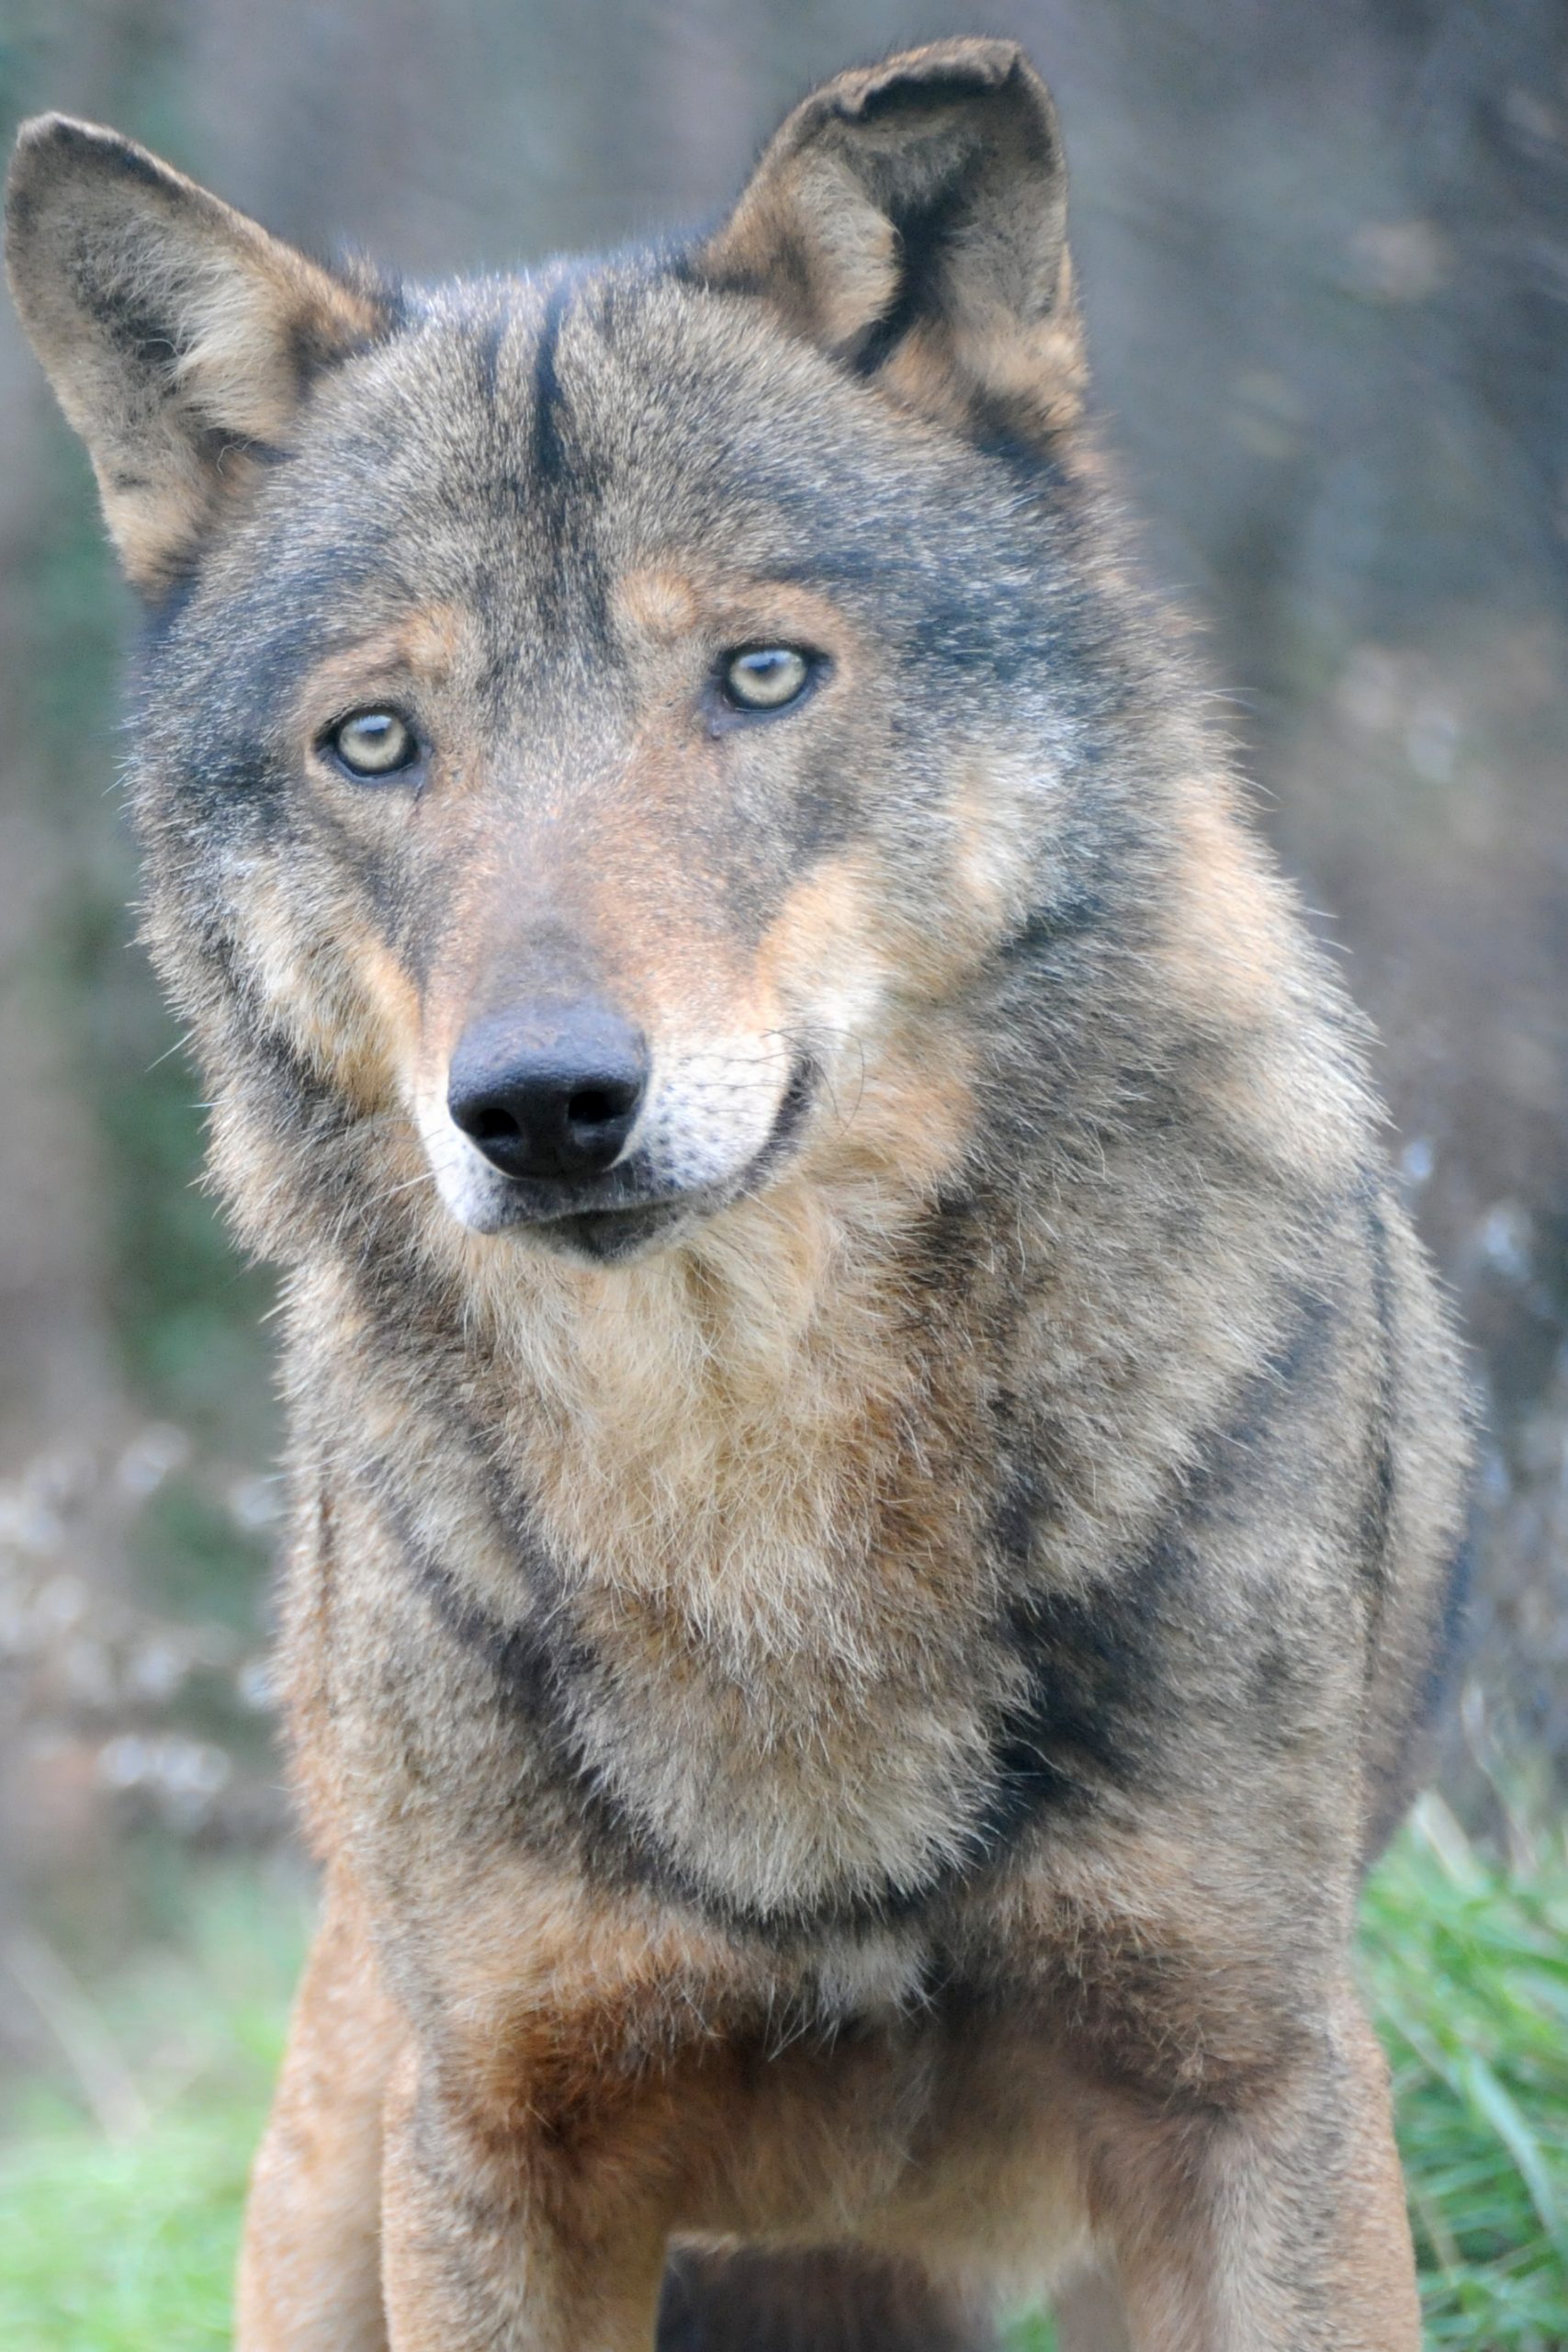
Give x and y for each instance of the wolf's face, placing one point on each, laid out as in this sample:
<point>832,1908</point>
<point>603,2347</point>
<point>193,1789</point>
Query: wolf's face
<point>594,724</point>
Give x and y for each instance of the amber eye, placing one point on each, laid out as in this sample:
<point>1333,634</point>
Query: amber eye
<point>766,677</point>
<point>372,743</point>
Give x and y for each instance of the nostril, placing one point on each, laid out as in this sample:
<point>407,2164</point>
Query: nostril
<point>492,1125</point>
<point>595,1106</point>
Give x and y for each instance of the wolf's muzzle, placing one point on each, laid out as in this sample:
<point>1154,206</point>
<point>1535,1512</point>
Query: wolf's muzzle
<point>550,1093</point>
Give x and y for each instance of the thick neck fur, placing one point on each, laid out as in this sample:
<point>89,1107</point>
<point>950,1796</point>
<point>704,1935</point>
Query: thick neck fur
<point>750,1479</point>
<point>717,1428</point>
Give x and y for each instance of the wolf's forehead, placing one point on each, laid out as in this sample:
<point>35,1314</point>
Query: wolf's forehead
<point>523,446</point>
<point>592,398</point>
<point>601,414</point>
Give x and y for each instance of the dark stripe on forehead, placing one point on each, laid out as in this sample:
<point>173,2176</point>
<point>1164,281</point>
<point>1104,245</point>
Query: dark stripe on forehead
<point>549,400</point>
<point>487,354</point>
<point>564,481</point>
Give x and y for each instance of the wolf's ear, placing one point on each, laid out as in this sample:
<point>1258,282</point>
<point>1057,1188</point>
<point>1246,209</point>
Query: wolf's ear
<point>179,337</point>
<point>911,219</point>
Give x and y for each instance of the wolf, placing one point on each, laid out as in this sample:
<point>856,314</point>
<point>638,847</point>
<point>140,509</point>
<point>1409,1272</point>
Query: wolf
<point>877,1473</point>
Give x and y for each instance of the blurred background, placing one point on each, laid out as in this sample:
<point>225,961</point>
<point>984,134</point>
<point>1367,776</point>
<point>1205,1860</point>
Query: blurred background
<point>1324,253</point>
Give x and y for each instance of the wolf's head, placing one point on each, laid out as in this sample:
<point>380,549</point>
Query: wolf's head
<point>602,723</point>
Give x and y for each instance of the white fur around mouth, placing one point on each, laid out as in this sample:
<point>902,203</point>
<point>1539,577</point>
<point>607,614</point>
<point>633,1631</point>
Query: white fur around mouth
<point>674,1161</point>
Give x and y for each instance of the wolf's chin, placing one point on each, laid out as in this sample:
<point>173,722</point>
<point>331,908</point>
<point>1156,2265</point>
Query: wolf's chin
<point>612,1237</point>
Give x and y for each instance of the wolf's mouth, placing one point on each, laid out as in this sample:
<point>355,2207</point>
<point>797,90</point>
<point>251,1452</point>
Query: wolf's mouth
<point>618,1216</point>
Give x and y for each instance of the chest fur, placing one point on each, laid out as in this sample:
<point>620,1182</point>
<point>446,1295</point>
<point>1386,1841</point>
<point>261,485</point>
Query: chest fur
<point>741,1511</point>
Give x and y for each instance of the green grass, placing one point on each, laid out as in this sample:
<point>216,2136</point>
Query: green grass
<point>120,2183</point>
<point>1467,1965</point>
<point>119,2249</point>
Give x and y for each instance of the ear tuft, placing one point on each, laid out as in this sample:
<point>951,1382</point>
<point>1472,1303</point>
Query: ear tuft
<point>179,337</point>
<point>910,218</point>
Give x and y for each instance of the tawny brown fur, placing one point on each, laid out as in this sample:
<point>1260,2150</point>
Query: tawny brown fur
<point>844,1672</point>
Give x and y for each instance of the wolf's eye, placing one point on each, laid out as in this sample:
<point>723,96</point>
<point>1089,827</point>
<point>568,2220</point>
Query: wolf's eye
<point>372,743</point>
<point>766,677</point>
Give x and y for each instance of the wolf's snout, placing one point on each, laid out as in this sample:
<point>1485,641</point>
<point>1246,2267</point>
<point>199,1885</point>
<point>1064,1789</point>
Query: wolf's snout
<point>551,1093</point>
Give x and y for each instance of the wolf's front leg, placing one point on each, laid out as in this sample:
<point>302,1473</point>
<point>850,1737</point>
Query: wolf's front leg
<point>514,2239</point>
<point>1277,2226</point>
<point>309,2269</point>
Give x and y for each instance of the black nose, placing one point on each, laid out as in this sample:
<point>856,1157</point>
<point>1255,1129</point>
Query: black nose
<point>551,1091</point>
